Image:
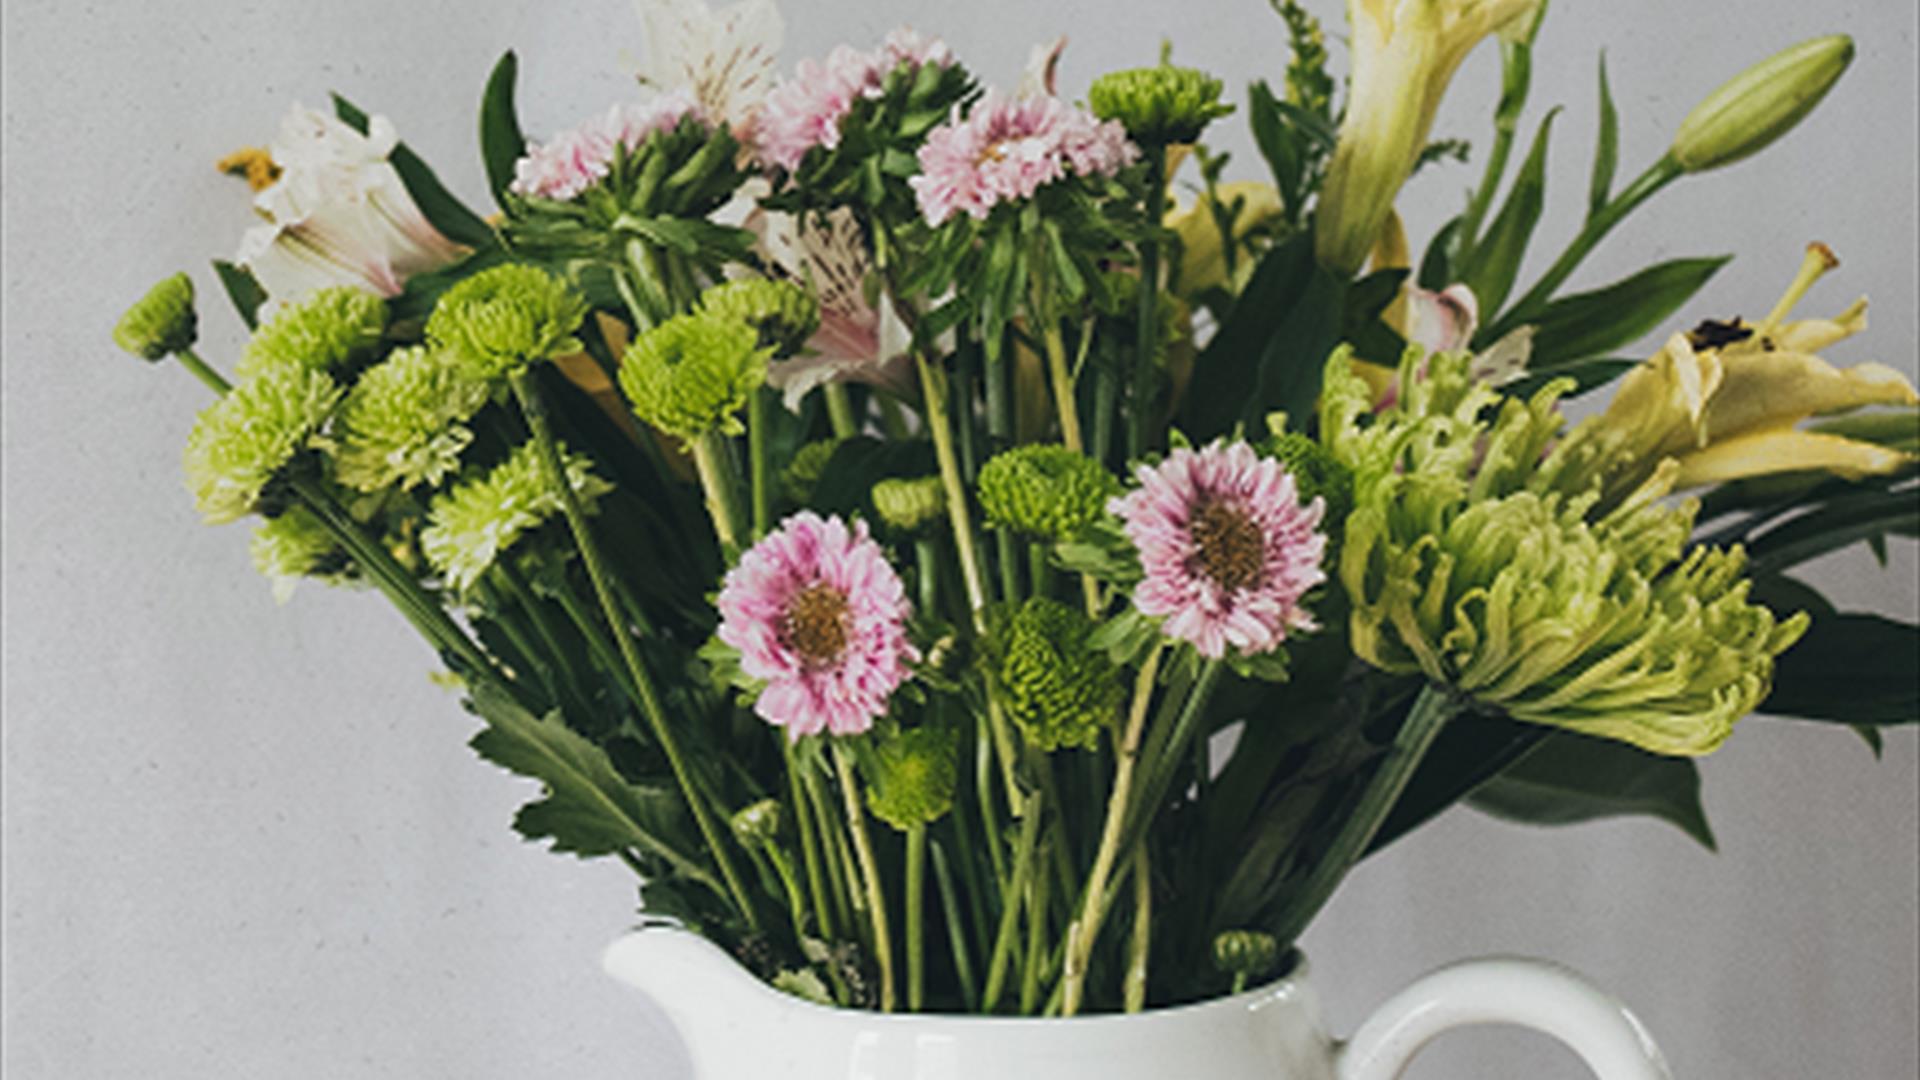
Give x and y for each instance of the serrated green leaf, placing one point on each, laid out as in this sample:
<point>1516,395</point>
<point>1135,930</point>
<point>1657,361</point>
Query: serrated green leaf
<point>1572,778</point>
<point>501,141</point>
<point>442,210</point>
<point>1606,148</point>
<point>1490,269</point>
<point>1592,323</point>
<point>243,289</point>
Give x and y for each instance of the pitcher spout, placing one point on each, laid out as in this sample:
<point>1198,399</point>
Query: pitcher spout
<point>710,998</point>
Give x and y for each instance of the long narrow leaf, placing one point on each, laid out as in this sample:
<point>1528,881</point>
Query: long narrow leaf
<point>1849,669</point>
<point>501,141</point>
<point>1573,778</point>
<point>1606,149</point>
<point>441,208</point>
<point>243,289</point>
<point>1496,259</point>
<point>1593,323</point>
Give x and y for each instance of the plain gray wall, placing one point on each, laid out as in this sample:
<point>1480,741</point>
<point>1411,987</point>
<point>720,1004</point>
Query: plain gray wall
<point>245,840</point>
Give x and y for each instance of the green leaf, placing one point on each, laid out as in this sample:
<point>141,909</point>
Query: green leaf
<point>1606,149</point>
<point>1839,523</point>
<point>1587,375</point>
<point>243,289</point>
<point>1591,323</point>
<point>1572,778</point>
<point>1436,266</point>
<point>1495,261</point>
<point>1471,750</point>
<point>1278,144</point>
<point>501,141</point>
<point>1849,669</point>
<point>442,210</point>
<point>846,481</point>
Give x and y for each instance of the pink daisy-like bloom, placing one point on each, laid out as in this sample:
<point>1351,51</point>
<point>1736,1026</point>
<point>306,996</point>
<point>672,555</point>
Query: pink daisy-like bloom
<point>817,613</point>
<point>1227,548</point>
<point>1008,148</point>
<point>573,161</point>
<point>805,111</point>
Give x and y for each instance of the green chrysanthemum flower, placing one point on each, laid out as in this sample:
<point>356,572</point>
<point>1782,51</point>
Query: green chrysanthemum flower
<point>160,323</point>
<point>327,331</point>
<point>913,773</point>
<point>1045,491</point>
<point>296,545</point>
<point>1060,691</point>
<point>240,443</point>
<point>503,318</point>
<point>783,314</point>
<point>909,504</point>
<point>691,374</point>
<point>798,478</point>
<point>1161,104</point>
<point>1317,474</point>
<point>1463,565</point>
<point>471,525</point>
<point>404,422</point>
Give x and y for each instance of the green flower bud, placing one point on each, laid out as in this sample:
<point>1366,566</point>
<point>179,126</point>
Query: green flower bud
<point>798,478</point>
<point>505,317</point>
<point>240,443</point>
<point>909,504</point>
<point>912,774</point>
<point>296,545</point>
<point>1245,953</point>
<point>160,323</point>
<point>404,422</point>
<point>693,373</point>
<point>1760,104</point>
<point>782,313</point>
<point>757,825</point>
<point>329,330</point>
<point>1054,685</point>
<point>1162,104</point>
<point>1045,491</point>
<point>471,525</point>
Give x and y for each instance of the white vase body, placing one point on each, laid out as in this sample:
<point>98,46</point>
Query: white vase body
<point>736,1027</point>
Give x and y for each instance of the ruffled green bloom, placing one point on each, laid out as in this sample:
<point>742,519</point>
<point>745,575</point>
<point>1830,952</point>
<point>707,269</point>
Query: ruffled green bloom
<point>1317,474</point>
<point>470,526</point>
<point>798,478</point>
<point>404,422</point>
<point>1059,689</point>
<point>1246,953</point>
<point>758,824</point>
<point>1045,491</point>
<point>503,318</point>
<point>909,504</point>
<point>240,443</point>
<point>296,545</point>
<point>1161,104</point>
<point>692,374</point>
<point>912,774</point>
<point>160,323</point>
<point>783,314</point>
<point>1462,564</point>
<point>328,330</point>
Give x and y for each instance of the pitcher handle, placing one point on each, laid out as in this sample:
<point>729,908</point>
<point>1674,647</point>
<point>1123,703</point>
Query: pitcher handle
<point>1504,990</point>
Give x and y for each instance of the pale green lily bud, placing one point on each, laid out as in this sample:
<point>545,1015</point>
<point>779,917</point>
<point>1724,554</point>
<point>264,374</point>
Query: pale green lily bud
<point>160,323</point>
<point>1760,104</point>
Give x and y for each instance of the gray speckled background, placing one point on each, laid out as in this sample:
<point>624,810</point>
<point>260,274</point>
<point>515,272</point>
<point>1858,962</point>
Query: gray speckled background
<point>245,840</point>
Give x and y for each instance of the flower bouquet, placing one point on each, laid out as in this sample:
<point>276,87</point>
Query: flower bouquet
<point>966,553</point>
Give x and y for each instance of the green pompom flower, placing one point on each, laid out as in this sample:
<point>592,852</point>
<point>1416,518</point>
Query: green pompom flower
<point>909,504</point>
<point>1159,105</point>
<point>1317,474</point>
<point>160,323</point>
<point>404,422</point>
<point>1462,563</point>
<point>691,374</point>
<point>758,824</point>
<point>1060,690</point>
<point>296,545</point>
<point>783,314</point>
<point>503,318</point>
<point>912,775</point>
<point>470,526</point>
<point>1045,491</point>
<point>240,443</point>
<point>798,478</point>
<point>330,329</point>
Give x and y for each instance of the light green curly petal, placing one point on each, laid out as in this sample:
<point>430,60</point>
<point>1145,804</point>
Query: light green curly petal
<point>240,443</point>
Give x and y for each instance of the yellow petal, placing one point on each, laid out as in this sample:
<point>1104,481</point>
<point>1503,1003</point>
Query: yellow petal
<point>1767,389</point>
<point>1813,335</point>
<point>1783,449</point>
<point>1203,263</point>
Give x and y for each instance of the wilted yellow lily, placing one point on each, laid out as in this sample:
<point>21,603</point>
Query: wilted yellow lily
<point>1725,401</point>
<point>1404,54</point>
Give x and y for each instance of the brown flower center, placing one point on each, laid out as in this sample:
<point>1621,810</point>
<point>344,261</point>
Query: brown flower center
<point>1227,546</point>
<point>815,625</point>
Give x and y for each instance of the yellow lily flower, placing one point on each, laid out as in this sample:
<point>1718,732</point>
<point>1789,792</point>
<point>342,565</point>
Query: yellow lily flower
<point>1203,257</point>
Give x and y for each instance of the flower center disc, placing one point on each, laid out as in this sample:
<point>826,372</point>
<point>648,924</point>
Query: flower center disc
<point>1227,546</point>
<point>816,624</point>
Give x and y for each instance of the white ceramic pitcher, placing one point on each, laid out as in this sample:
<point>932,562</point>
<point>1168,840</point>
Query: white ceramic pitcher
<point>737,1027</point>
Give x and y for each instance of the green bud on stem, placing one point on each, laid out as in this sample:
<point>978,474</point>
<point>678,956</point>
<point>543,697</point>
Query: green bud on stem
<point>1762,103</point>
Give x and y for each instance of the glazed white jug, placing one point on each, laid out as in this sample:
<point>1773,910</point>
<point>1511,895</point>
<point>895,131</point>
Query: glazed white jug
<point>737,1027</point>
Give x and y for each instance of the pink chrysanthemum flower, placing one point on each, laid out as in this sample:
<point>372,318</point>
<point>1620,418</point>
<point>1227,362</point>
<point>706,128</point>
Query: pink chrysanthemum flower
<point>1227,549</point>
<point>817,613</point>
<point>573,161</point>
<point>805,111</point>
<point>1008,148</point>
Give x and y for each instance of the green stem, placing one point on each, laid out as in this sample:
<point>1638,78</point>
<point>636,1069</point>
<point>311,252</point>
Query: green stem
<point>1429,715</point>
<point>1064,401</point>
<point>804,824</point>
<point>1134,989</point>
<point>203,371</point>
<point>535,411</point>
<point>1516,76</point>
<point>757,421</point>
<point>716,481</point>
<point>926,561</point>
<point>1147,309</point>
<point>916,916</point>
<point>1010,907</point>
<point>956,929</point>
<point>1035,961</point>
<point>840,411</point>
<point>870,871</point>
<point>834,853</point>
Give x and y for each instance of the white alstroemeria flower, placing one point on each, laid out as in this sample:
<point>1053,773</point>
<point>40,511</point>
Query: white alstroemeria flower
<point>339,214</point>
<point>1042,70</point>
<point>725,58</point>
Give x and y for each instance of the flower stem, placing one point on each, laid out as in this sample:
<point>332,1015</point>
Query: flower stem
<point>956,929</point>
<point>709,461</point>
<point>840,411</point>
<point>870,871</point>
<point>535,411</point>
<point>916,915</point>
<point>1035,962</point>
<point>1430,713</point>
<point>1011,895</point>
<point>803,824</point>
<point>833,852</point>
<point>1147,312</point>
<point>1063,396</point>
<point>1134,989</point>
<point>757,421</point>
<point>202,370</point>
